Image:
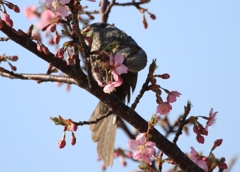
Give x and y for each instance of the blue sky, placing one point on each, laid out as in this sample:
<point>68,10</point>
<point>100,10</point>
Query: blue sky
<point>196,42</point>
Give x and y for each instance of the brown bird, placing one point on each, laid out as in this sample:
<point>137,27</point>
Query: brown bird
<point>104,131</point>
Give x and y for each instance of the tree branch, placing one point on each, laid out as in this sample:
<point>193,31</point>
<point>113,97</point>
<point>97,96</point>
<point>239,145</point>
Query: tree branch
<point>106,7</point>
<point>119,108</point>
<point>103,11</point>
<point>42,77</point>
<point>31,46</point>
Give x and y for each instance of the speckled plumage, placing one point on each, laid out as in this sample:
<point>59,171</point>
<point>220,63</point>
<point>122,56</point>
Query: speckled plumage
<point>104,131</point>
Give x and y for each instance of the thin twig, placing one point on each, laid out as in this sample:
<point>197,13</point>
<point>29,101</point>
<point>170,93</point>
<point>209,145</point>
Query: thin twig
<point>106,7</point>
<point>93,121</point>
<point>182,121</point>
<point>4,39</point>
<point>130,3</point>
<point>140,95</point>
<point>41,77</point>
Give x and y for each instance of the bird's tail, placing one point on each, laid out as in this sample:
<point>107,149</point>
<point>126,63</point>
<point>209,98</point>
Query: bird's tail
<point>104,133</point>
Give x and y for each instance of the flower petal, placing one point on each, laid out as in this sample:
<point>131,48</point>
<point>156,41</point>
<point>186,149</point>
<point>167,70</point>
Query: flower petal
<point>119,58</point>
<point>141,138</point>
<point>150,144</point>
<point>111,59</point>
<point>150,151</point>
<point>63,11</point>
<point>132,144</point>
<point>121,69</point>
<point>202,164</point>
<point>109,88</point>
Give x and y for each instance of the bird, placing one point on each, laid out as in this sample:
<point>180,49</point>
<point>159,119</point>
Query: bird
<point>135,58</point>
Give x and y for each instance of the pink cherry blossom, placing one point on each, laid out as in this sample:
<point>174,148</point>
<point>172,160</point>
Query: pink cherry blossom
<point>29,12</point>
<point>46,18</point>
<point>172,96</point>
<point>164,108</point>
<point>197,159</point>
<point>117,65</point>
<point>211,119</point>
<point>143,148</point>
<point>111,86</point>
<point>58,6</point>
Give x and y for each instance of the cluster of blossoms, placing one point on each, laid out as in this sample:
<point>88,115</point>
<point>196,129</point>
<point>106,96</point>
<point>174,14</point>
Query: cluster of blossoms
<point>68,125</point>
<point>199,129</point>
<point>4,58</point>
<point>72,127</point>
<point>210,162</point>
<point>116,69</point>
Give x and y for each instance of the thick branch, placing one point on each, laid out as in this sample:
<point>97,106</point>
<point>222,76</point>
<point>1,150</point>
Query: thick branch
<point>167,147</point>
<point>103,10</point>
<point>31,46</point>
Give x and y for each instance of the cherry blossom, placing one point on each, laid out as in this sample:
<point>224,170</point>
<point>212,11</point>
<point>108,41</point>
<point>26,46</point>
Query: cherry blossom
<point>143,148</point>
<point>58,6</point>
<point>47,17</point>
<point>197,159</point>
<point>211,119</point>
<point>29,12</point>
<point>164,108</point>
<point>117,65</point>
<point>172,96</point>
<point>111,86</point>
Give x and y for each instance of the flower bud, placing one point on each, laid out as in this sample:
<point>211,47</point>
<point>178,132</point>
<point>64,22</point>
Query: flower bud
<point>152,16</point>
<point>73,139</point>
<point>67,88</point>
<point>53,28</point>
<point>123,162</point>
<point>16,9</point>
<point>200,139</point>
<point>129,154</point>
<point>115,154</point>
<point>39,47</point>
<point>217,143</point>
<point>45,50</point>
<point>144,21</point>
<point>7,19</point>
<point>74,127</point>
<point>56,38</point>
<point>13,58</point>
<point>62,142</point>
<point>1,24</point>
<point>165,76</point>
<point>14,68</point>
<point>60,53</point>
